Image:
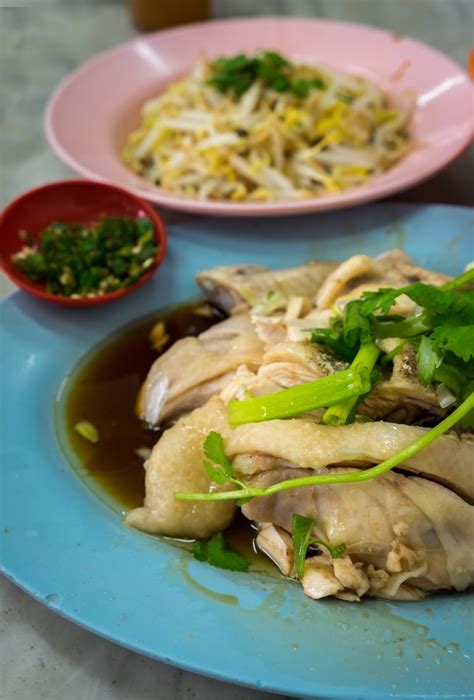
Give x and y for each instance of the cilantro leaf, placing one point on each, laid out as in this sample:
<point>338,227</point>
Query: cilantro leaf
<point>430,297</point>
<point>456,308</point>
<point>457,339</point>
<point>217,553</point>
<point>217,466</point>
<point>199,550</point>
<point>357,329</point>
<point>302,529</point>
<point>333,341</point>
<point>381,300</point>
<point>334,552</point>
<point>438,301</point>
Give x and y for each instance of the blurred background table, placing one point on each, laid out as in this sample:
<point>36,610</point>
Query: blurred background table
<point>43,656</point>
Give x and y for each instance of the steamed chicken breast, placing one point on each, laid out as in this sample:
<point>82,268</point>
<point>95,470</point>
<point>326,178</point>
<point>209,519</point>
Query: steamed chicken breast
<point>194,369</point>
<point>303,442</point>
<point>406,533</point>
<point>404,536</point>
<point>360,273</point>
<point>242,286</point>
<point>176,464</point>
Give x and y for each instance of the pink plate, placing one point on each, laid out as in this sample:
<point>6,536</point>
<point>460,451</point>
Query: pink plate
<point>92,111</point>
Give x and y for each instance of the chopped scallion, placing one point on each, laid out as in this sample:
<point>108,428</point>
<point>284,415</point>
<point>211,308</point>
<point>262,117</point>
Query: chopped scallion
<point>87,430</point>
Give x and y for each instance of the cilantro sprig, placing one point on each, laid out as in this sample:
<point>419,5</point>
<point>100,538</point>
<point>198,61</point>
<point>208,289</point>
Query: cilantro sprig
<point>301,532</point>
<point>217,465</point>
<point>444,324</point>
<point>441,330</point>
<point>217,553</point>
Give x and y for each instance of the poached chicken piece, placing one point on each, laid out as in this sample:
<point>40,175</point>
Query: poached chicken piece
<point>176,464</point>
<point>194,369</point>
<point>243,286</point>
<point>360,274</point>
<point>407,532</point>
<point>404,535</point>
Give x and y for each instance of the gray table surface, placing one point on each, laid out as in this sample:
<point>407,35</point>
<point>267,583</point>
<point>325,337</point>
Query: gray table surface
<point>43,656</point>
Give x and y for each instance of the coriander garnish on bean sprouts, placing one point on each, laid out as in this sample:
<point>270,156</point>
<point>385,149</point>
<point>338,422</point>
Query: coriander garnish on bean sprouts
<point>260,128</point>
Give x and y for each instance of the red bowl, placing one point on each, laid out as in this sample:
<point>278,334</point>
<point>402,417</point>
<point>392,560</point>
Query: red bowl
<point>71,201</point>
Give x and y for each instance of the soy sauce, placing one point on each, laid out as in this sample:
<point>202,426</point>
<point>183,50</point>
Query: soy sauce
<point>103,389</point>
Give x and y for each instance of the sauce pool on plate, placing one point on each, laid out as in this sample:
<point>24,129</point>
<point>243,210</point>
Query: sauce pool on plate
<point>102,390</point>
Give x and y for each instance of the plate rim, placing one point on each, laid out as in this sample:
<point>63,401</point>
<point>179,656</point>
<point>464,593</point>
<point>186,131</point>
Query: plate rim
<point>336,692</point>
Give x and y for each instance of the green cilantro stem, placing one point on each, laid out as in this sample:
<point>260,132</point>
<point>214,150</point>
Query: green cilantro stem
<point>452,377</point>
<point>408,328</point>
<point>464,280</point>
<point>351,477</point>
<point>302,398</point>
<point>301,533</point>
<point>427,360</point>
<point>389,356</point>
<point>341,412</point>
<point>468,421</point>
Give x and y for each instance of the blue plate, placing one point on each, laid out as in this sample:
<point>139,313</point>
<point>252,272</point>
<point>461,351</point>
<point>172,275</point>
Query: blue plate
<point>67,548</point>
